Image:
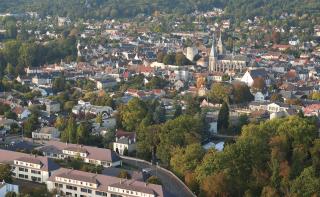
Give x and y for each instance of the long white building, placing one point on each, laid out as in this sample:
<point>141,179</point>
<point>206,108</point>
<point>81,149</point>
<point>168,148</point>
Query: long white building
<point>89,154</point>
<point>28,167</point>
<point>83,184</point>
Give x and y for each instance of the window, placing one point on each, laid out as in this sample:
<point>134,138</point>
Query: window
<point>71,187</point>
<point>35,172</point>
<point>100,193</point>
<point>23,169</point>
<point>22,176</point>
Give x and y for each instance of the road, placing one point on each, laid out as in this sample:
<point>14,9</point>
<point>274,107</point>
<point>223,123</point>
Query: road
<point>170,183</point>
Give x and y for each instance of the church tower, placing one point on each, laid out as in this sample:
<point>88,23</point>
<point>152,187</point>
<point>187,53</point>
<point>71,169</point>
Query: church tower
<point>220,46</point>
<point>213,56</point>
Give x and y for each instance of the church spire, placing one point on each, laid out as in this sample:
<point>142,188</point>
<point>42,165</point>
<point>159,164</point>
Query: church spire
<point>220,45</point>
<point>213,48</point>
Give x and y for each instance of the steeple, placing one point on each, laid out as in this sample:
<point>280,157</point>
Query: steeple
<point>213,56</point>
<point>220,45</point>
<point>213,52</point>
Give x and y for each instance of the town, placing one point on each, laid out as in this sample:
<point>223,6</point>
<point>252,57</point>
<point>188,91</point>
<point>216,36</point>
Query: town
<point>159,105</point>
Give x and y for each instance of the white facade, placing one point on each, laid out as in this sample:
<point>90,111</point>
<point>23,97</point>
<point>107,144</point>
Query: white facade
<point>247,79</point>
<point>259,97</point>
<point>6,187</point>
<point>46,133</point>
<point>29,171</point>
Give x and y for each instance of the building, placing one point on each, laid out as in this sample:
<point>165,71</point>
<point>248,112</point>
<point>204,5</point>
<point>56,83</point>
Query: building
<point>78,183</point>
<point>249,76</point>
<point>125,141</point>
<point>28,167</point>
<point>89,154</point>
<point>52,107</point>
<point>46,133</point>
<point>106,83</point>
<point>219,61</point>
<point>6,188</point>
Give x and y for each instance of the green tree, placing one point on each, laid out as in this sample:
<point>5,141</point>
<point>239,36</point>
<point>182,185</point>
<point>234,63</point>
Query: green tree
<point>186,159</point>
<point>70,132</point>
<point>220,92</point>
<point>99,119</point>
<point>124,174</point>
<point>132,114</point>
<point>154,180</point>
<point>241,93</point>
<point>31,124</point>
<point>11,194</point>
<point>83,132</point>
<point>177,110</point>
<point>223,117</point>
<point>159,115</point>
<point>307,184</point>
<point>5,173</point>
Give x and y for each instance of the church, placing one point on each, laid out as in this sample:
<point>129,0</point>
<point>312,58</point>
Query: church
<point>220,61</point>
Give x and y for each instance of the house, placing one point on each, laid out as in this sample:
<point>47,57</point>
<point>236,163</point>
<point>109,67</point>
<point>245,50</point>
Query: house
<point>21,112</point>
<point>78,183</point>
<point>89,154</point>
<point>41,79</point>
<point>179,85</point>
<point>216,76</point>
<point>28,167</point>
<point>259,97</point>
<point>106,83</point>
<point>250,75</point>
<point>312,110</point>
<point>6,125</point>
<point>125,141</point>
<point>52,106</point>
<point>6,188</point>
<point>46,133</point>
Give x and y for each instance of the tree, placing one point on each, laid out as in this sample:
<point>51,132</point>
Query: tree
<point>177,110</point>
<point>11,194</point>
<point>223,117</point>
<point>154,180</point>
<point>11,115</point>
<point>70,132</point>
<point>132,114</point>
<point>59,84</point>
<point>307,184</point>
<point>220,92</point>
<point>159,115</point>
<point>30,125</point>
<point>275,97</point>
<point>60,123</point>
<point>184,160</point>
<point>124,174</point>
<point>5,173</point>
<point>193,106</point>
<point>182,131</point>
<point>275,37</point>
<point>259,83</point>
<point>241,93</point>
<point>99,119</point>
<point>83,132</point>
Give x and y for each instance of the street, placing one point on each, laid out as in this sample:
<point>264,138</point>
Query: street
<point>170,183</point>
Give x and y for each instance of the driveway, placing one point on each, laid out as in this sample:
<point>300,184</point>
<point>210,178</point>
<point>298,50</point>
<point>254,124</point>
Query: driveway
<point>171,185</point>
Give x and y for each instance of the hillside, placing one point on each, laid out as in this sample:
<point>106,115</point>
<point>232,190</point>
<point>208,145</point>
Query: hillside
<point>240,9</point>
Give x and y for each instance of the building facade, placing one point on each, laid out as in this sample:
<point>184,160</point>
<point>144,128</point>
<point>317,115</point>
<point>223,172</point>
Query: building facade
<point>76,183</point>
<point>219,61</point>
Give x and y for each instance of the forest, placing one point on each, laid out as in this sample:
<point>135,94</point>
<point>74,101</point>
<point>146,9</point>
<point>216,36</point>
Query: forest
<point>237,9</point>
